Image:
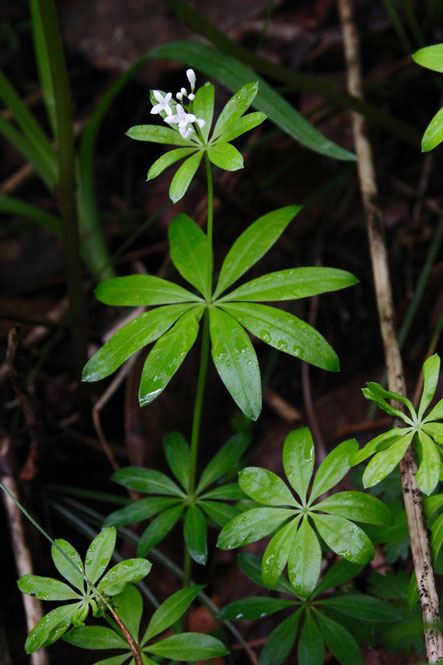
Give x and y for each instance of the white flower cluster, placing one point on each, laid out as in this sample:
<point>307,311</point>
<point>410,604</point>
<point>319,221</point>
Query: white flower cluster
<point>181,117</point>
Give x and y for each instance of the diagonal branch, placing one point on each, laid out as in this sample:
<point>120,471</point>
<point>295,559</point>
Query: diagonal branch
<point>375,228</point>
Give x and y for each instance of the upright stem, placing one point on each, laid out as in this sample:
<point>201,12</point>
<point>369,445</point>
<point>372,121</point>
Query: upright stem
<point>204,357</point>
<point>375,228</point>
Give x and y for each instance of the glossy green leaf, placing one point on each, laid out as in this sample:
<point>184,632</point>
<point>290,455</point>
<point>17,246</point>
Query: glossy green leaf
<point>380,442</point>
<point>189,251</point>
<point>225,156</point>
<point>158,134</point>
<point>253,607</point>
<point>220,513</point>
<point>95,637</point>
<point>385,461</point>
<point>146,480</point>
<point>311,648</point>
<point>428,473</point>
<point>167,160</point>
<point>114,660</point>
<point>240,126</point>
<point>139,510</point>
<point>265,487</point>
<point>430,57</point>
<point>194,531</point>
<point>340,572</point>
<point>99,554</point>
<point>376,393</point>
<point>188,647</point>
<point>229,492</point>
<point>131,338</point>
<point>183,177</point>
<point>437,536</point>
<point>144,290</point>
<point>178,456</point>
<point>224,460</point>
<point>356,506</point>
<point>339,641</point>
<point>128,571</point>
<point>45,588</point>
<point>251,566</point>
<point>431,370</point>
<point>170,611</point>
<point>292,284</point>
<point>166,357</point>
<point>298,460</point>
<point>236,106</point>
<point>304,563</point>
<point>236,362</point>
<point>434,430</point>
<point>277,553</point>
<point>129,607</point>
<point>432,504</point>
<point>19,208</point>
<point>433,135</point>
<point>280,641</point>
<point>365,608</point>
<point>436,413</point>
<point>333,468</point>
<point>70,570</point>
<point>159,528</point>
<point>51,627</point>
<point>203,107</point>
<point>233,74</point>
<point>252,525</point>
<point>286,333</point>
<point>252,244</point>
<point>344,538</point>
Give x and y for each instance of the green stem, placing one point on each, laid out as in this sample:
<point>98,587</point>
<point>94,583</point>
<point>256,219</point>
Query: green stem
<point>209,225</point>
<point>67,179</point>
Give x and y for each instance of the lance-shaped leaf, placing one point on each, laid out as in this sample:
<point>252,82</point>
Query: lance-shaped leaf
<point>188,646</point>
<point>236,362</point>
<point>304,563</point>
<point>228,492</point>
<point>225,156</point>
<point>252,525</point>
<point>95,637</point>
<point>437,536</point>
<point>339,573</point>
<point>166,357</point>
<point>252,244</point>
<point>203,107</point>
<point>99,554</point>
<point>430,57</point>
<point>159,528</point>
<point>311,648</point>
<point>178,456</point>
<point>435,431</point>
<point>380,442</point>
<point>436,413</point>
<point>250,565</point>
<point>140,510</point>
<point>333,468</point>
<point>385,461</point>
<point>158,134</point>
<point>125,572</point>
<point>235,107</point>
<point>280,641</point>
<point>433,135</point>
<point>131,338</point>
<point>46,588</point>
<point>292,284</point>
<point>224,460</point>
<point>117,660</point>
<point>344,538</point>
<point>286,333</point>
<point>70,566</point>
<point>146,480</point>
<point>431,369</point>
<point>183,177</point>
<point>277,553</point>
<point>220,513</point>
<point>51,627</point>
<point>298,460</point>
<point>253,607</point>
<point>241,125</point>
<point>365,608</point>
<point>142,290</point>
<point>428,473</point>
<point>129,607</point>
<point>339,641</point>
<point>265,487</point>
<point>170,611</point>
<point>189,251</point>
<point>356,506</point>
<point>376,393</point>
<point>168,159</point>
<point>194,531</point>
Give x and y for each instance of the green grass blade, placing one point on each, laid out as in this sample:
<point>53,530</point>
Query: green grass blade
<point>42,57</point>
<point>22,209</point>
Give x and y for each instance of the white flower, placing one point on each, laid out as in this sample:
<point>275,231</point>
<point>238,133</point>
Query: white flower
<point>200,122</point>
<point>179,96</point>
<point>163,102</point>
<point>182,119</point>
<point>191,78</point>
<point>191,96</point>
